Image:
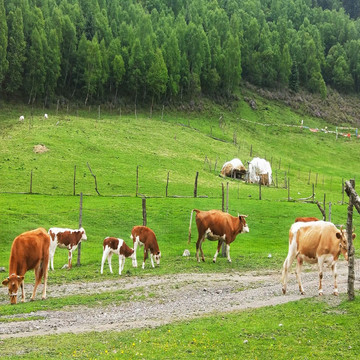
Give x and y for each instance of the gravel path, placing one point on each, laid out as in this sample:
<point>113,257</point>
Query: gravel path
<point>177,297</point>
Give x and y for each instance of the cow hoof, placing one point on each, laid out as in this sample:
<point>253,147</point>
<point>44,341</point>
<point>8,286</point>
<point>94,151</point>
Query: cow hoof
<point>320,294</point>
<point>302,292</point>
<point>336,293</point>
<point>283,291</point>
<point>214,261</point>
<point>43,298</point>
<point>203,260</point>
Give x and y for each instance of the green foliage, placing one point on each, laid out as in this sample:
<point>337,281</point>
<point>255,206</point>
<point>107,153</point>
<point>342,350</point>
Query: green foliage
<point>207,47</point>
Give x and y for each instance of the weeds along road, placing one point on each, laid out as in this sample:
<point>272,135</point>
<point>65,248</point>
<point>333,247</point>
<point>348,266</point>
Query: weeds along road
<point>173,298</point>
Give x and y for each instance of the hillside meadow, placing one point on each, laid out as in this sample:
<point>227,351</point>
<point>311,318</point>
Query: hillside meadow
<point>179,144</point>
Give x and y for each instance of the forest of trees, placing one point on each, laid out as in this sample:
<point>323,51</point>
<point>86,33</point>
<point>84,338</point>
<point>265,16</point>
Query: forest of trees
<point>151,50</point>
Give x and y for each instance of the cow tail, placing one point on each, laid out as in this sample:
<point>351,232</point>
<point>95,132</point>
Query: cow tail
<point>191,215</point>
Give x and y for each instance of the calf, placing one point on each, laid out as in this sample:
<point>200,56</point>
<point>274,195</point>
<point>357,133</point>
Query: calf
<point>112,246</point>
<point>314,242</point>
<point>144,236</point>
<point>30,250</point>
<point>65,238</point>
<point>219,226</point>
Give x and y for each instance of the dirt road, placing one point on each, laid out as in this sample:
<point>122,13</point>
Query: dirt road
<point>177,297</point>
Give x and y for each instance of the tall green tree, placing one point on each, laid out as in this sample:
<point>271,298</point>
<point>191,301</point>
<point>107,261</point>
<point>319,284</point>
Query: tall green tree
<point>157,76</point>
<point>16,51</point>
<point>35,70</point>
<point>52,59</point>
<point>3,42</point>
<point>136,68</point>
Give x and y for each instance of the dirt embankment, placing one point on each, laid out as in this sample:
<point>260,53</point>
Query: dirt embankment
<point>176,297</point>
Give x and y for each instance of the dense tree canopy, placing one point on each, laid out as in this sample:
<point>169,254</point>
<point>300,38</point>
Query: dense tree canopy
<point>151,50</point>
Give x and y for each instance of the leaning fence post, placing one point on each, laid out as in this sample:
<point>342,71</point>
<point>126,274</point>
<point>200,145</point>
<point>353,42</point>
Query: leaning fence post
<point>329,211</point>
<point>80,226</point>
<point>195,185</point>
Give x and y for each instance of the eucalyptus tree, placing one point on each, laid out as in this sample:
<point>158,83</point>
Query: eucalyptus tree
<point>15,52</point>
<point>3,42</point>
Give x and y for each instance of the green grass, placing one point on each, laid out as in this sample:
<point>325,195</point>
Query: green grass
<point>307,329</point>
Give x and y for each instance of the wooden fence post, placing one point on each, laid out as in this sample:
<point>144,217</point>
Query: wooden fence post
<point>74,185</point>
<point>227,197</point>
<point>167,184</point>
<point>222,197</point>
<point>195,185</point>
<point>351,250</point>
<point>313,190</point>
<point>137,180</point>
<point>144,210</point>
<point>80,225</point>
<point>288,187</point>
<point>309,177</point>
<point>329,211</point>
<point>260,189</point>
<point>31,181</point>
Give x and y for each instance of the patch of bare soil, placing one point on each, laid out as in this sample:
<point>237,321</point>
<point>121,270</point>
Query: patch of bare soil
<point>39,149</point>
<point>177,297</point>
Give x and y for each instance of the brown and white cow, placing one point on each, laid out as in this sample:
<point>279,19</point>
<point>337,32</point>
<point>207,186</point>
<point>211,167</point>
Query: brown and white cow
<point>219,226</point>
<point>314,242</point>
<point>112,245</point>
<point>144,236</point>
<point>306,219</point>
<point>65,239</point>
<point>29,250</point>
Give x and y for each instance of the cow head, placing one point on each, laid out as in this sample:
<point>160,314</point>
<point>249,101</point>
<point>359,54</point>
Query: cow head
<point>83,234</point>
<point>243,225</point>
<point>343,237</point>
<point>13,282</point>
<point>157,257</point>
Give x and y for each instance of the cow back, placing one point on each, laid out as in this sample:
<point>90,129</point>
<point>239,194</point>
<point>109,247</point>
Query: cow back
<point>28,250</point>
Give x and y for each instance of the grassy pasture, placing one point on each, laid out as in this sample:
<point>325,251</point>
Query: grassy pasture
<point>178,144</point>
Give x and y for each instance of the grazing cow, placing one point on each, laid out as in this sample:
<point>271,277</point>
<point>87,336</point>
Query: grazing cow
<point>314,242</point>
<point>260,171</point>
<point>233,169</point>
<point>117,246</point>
<point>144,236</point>
<point>306,219</point>
<point>216,225</point>
<point>65,238</point>
<point>30,250</point>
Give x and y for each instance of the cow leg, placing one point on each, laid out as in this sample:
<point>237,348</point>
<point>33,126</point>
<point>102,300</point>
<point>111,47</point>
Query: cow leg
<point>22,286</point>
<point>320,265</point>
<point>228,252</point>
<point>45,274</point>
<point>217,251</point>
<point>152,259</point>
<point>299,263</point>
<point>199,248</point>
<point>38,275</point>
<point>135,247</point>
<point>121,263</point>
<point>334,272</point>
<point>51,256</point>
<point>286,267</point>
<point>105,254</point>
<point>69,259</point>
<point>109,257</point>
<point>145,256</point>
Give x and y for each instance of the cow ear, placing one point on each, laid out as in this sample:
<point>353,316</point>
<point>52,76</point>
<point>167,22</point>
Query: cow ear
<point>20,278</point>
<point>338,235</point>
<point>5,282</point>
<point>353,236</point>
